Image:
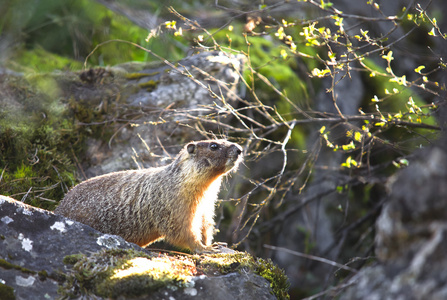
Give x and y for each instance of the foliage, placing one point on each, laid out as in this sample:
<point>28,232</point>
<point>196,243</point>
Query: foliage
<point>400,105</point>
<point>46,35</point>
<point>41,60</point>
<point>295,80</point>
<point>7,292</point>
<point>335,103</point>
<point>35,151</point>
<point>114,272</point>
<point>276,276</point>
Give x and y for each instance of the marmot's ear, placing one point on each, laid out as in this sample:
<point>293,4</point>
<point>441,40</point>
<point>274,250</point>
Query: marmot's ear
<point>191,148</point>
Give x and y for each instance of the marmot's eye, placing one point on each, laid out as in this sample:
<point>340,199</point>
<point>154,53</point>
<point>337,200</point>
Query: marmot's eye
<point>214,146</point>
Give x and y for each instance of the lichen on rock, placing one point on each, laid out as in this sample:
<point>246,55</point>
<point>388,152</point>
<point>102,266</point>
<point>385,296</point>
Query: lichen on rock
<point>115,273</point>
<point>71,262</point>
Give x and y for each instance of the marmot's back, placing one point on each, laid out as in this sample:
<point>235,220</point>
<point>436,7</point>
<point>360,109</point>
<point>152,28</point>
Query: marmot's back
<point>175,202</point>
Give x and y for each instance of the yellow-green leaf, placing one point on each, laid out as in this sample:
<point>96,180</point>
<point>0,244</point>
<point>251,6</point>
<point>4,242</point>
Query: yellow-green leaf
<point>349,163</point>
<point>322,129</point>
<point>418,69</point>
<point>349,146</point>
<point>389,57</point>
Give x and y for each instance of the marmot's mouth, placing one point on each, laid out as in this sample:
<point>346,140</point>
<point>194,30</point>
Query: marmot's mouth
<point>233,161</point>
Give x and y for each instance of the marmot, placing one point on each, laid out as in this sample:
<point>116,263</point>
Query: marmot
<point>174,202</point>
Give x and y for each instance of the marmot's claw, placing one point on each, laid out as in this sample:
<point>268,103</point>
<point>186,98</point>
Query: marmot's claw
<point>218,247</point>
<point>208,250</point>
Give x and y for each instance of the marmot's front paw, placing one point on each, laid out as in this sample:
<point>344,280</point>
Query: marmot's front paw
<point>219,244</point>
<point>221,247</point>
<point>217,247</point>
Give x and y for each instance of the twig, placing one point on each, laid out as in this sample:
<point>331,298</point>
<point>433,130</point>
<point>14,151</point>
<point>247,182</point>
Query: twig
<point>3,172</point>
<point>312,257</point>
<point>331,290</point>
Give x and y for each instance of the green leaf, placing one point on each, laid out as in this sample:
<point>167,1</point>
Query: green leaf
<point>400,80</point>
<point>389,57</point>
<point>349,146</point>
<point>349,163</point>
<point>402,162</point>
<point>322,129</point>
<point>325,5</point>
<point>418,69</point>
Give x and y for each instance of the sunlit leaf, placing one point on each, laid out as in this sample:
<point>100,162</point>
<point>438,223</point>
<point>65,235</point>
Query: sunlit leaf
<point>389,57</point>
<point>418,69</point>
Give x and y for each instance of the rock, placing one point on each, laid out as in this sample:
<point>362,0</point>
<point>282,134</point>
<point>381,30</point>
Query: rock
<point>64,127</point>
<point>33,242</point>
<point>411,238</point>
<point>46,256</point>
<point>188,82</point>
<point>164,100</point>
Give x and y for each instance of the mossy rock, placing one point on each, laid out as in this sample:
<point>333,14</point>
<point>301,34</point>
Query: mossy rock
<point>6,292</point>
<point>37,137</point>
<point>113,273</point>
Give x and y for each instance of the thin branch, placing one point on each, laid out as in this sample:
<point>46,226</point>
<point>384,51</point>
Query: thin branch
<point>312,257</point>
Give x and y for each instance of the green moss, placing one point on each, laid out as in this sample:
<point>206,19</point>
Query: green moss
<point>133,76</point>
<point>35,156</point>
<point>223,263</point>
<point>7,265</point>
<point>72,259</point>
<point>227,263</point>
<point>40,60</point>
<point>149,85</point>
<point>6,292</point>
<point>82,112</point>
<point>39,136</point>
<point>276,276</point>
<point>111,273</point>
<point>42,274</point>
<point>58,35</point>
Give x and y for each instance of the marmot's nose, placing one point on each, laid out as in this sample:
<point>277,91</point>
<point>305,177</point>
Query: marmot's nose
<point>236,150</point>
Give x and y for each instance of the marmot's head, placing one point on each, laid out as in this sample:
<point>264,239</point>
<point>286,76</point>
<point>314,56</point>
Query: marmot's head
<point>212,158</point>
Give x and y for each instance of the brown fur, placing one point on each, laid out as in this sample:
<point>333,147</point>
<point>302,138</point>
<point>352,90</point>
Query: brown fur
<point>174,202</point>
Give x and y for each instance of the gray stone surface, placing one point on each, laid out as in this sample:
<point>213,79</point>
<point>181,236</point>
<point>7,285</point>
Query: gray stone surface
<point>38,240</point>
<point>182,94</point>
<point>33,240</point>
<point>411,238</point>
<point>231,286</point>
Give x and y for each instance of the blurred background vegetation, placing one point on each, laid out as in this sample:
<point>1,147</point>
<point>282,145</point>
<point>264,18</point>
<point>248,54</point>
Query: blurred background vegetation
<point>337,96</point>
